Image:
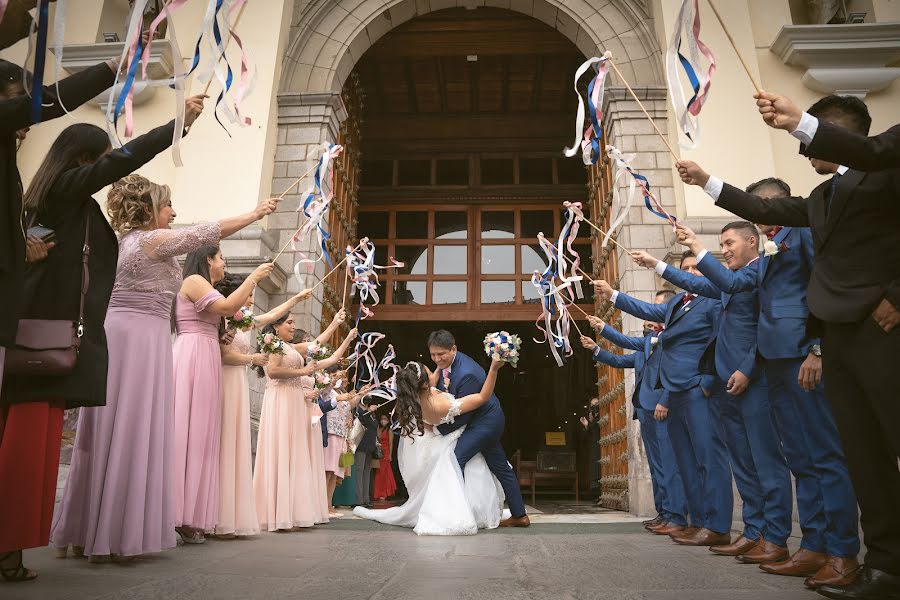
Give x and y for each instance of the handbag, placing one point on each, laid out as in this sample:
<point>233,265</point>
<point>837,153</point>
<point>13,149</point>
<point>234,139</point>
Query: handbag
<point>50,346</point>
<point>378,453</point>
<point>356,434</point>
<point>347,459</point>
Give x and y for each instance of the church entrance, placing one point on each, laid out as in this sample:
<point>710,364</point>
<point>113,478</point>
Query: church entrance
<point>462,115</point>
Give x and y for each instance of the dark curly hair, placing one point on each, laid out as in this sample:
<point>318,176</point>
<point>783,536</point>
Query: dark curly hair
<point>410,383</point>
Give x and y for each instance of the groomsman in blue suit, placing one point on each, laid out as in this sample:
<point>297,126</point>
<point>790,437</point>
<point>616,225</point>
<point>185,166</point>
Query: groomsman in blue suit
<point>759,467</point>
<point>694,424</point>
<point>793,364</point>
<point>650,409</point>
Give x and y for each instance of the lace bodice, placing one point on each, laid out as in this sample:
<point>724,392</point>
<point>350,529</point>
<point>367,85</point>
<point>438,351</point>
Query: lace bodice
<point>338,418</point>
<point>147,258</point>
<point>244,342</point>
<point>454,411</point>
<point>293,360</point>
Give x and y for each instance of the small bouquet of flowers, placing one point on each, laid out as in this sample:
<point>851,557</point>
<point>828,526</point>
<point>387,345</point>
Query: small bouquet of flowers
<point>242,319</point>
<point>270,343</point>
<point>503,346</point>
<point>324,381</point>
<point>316,351</point>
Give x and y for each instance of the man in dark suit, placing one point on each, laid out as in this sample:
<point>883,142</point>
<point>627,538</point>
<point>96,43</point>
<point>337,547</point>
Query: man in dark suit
<point>793,365</point>
<point>651,409</point>
<point>830,142</point>
<point>362,459</point>
<point>854,291</point>
<point>754,447</point>
<point>694,422</point>
<point>461,376</point>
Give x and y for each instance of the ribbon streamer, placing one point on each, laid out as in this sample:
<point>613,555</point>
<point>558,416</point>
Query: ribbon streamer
<point>623,169</point>
<point>553,305</point>
<point>316,201</point>
<point>590,138</point>
<point>687,30</point>
<point>363,274</point>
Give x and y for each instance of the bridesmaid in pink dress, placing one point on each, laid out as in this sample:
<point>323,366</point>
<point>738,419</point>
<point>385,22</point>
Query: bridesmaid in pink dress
<point>118,497</point>
<point>289,478</point>
<point>237,506</point>
<point>199,310</point>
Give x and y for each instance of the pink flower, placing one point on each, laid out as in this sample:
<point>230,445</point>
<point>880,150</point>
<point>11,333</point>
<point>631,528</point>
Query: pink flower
<point>267,339</point>
<point>239,315</point>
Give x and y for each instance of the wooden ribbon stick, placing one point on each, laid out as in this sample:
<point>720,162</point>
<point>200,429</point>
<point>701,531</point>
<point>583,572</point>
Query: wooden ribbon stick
<point>612,239</point>
<point>641,104</point>
<point>344,295</point>
<point>225,47</point>
<point>336,267</point>
<point>756,85</point>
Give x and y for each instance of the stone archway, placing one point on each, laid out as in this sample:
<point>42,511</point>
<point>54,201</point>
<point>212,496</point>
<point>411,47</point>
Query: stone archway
<point>329,37</point>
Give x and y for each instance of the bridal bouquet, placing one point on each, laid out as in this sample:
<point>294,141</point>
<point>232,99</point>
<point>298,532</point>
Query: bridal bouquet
<point>270,343</point>
<point>316,351</point>
<point>324,381</point>
<point>503,346</point>
<point>242,319</point>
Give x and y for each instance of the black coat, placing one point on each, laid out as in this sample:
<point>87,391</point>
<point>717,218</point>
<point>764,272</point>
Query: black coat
<point>845,147</point>
<point>857,247</point>
<point>15,114</point>
<point>369,440</point>
<point>53,286</point>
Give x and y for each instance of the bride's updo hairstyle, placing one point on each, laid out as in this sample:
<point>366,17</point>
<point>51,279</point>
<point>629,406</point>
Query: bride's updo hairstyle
<point>411,381</point>
<point>134,201</point>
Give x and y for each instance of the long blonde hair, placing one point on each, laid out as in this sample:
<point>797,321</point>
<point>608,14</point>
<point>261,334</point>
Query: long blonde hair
<point>134,201</point>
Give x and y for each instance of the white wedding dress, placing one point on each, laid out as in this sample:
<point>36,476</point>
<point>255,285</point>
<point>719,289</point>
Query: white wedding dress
<point>441,501</point>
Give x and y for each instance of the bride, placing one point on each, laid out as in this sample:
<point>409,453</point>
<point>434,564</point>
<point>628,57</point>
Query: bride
<point>441,501</point>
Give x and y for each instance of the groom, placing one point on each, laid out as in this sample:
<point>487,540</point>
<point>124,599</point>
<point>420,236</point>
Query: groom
<point>461,376</point>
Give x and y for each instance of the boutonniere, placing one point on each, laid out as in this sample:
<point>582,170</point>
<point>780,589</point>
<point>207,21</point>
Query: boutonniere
<point>446,380</point>
<point>770,248</point>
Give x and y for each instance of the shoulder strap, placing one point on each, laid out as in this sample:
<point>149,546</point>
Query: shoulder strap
<point>85,272</point>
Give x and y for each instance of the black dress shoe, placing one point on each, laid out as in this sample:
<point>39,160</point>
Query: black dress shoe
<point>871,584</point>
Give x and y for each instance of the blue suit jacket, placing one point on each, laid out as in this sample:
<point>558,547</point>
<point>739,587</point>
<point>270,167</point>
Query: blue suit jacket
<point>735,337</point>
<point>781,283</point>
<point>466,377</point>
<point>326,407</point>
<point>644,395</point>
<point>683,343</point>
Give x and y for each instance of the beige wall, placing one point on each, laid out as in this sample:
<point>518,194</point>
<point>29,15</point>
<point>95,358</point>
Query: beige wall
<point>221,176</point>
<point>735,144</point>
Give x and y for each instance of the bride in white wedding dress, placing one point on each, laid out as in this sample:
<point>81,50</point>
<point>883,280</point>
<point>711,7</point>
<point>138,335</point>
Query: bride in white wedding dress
<point>441,501</point>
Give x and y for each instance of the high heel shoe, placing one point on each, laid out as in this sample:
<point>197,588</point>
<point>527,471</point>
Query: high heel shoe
<point>17,573</point>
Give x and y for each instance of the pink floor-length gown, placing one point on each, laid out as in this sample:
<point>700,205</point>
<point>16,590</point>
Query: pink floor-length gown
<point>289,476</point>
<point>198,412</point>
<point>237,505</point>
<point>118,496</point>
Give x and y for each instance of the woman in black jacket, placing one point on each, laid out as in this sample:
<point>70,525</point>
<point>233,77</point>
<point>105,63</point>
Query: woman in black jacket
<point>78,164</point>
<point>32,518</point>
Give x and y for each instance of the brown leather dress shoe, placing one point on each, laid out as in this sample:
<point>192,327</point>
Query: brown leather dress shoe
<point>739,546</point>
<point>669,529</point>
<point>687,532</point>
<point>764,552</point>
<point>522,521</point>
<point>837,572</point>
<point>657,520</point>
<point>705,537</point>
<point>803,563</point>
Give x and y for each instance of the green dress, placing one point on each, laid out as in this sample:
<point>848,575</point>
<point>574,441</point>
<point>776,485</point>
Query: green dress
<point>345,494</point>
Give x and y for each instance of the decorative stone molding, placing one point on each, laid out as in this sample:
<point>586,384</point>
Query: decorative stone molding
<point>77,57</point>
<point>842,59</point>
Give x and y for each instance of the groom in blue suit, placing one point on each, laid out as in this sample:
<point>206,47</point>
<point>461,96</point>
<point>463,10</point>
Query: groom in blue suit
<point>460,376</point>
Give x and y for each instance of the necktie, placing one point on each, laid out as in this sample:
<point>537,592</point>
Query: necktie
<point>830,195</point>
<point>688,297</point>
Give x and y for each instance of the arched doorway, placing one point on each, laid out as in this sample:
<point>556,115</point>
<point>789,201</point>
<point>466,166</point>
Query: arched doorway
<point>454,120</point>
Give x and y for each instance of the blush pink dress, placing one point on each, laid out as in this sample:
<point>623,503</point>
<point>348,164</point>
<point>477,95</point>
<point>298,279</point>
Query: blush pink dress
<point>118,497</point>
<point>289,476</point>
<point>198,412</point>
<point>237,506</point>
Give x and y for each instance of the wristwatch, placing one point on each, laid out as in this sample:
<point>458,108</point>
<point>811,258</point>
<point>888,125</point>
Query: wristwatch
<point>816,350</point>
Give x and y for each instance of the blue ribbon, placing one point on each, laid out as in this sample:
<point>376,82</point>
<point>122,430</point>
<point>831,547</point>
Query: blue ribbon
<point>126,87</point>
<point>217,35</point>
<point>692,77</point>
<point>592,112</point>
<point>40,58</point>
